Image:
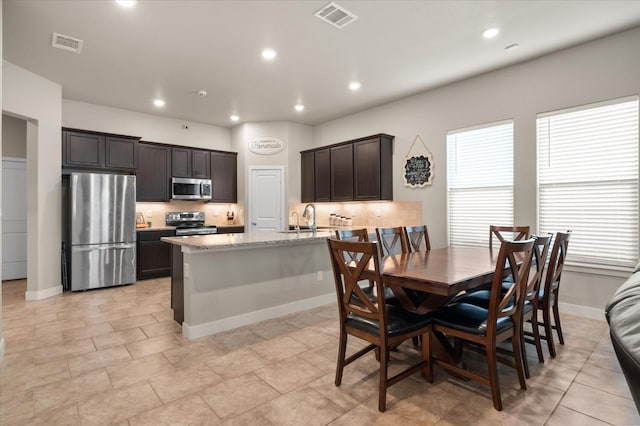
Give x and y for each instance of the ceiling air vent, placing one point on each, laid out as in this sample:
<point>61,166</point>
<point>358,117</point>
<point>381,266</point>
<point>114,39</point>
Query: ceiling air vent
<point>336,15</point>
<point>67,43</point>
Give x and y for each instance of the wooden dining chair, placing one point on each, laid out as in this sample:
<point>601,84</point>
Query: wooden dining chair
<point>391,241</point>
<point>515,233</point>
<point>530,305</point>
<point>485,328</point>
<point>482,298</point>
<point>383,326</point>
<point>548,295</point>
<point>417,238</point>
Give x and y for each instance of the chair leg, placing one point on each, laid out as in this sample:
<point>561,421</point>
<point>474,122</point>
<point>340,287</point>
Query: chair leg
<point>382,390</point>
<point>536,335</point>
<point>523,353</point>
<point>556,317</point>
<point>427,371</point>
<point>518,347</point>
<point>342,351</point>
<point>548,331</point>
<point>494,384</point>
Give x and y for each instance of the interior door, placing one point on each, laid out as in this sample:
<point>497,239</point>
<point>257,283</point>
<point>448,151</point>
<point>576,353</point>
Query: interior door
<point>266,198</point>
<point>14,219</point>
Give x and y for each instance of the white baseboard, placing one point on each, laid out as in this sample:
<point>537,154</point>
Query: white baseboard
<point>43,294</point>
<point>582,311</point>
<point>213,327</point>
<point>1,348</point>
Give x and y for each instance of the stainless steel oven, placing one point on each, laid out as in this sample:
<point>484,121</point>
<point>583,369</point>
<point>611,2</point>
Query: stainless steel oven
<point>190,189</point>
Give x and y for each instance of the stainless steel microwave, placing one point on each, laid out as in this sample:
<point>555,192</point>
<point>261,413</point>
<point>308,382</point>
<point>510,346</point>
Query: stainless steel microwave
<point>190,189</point>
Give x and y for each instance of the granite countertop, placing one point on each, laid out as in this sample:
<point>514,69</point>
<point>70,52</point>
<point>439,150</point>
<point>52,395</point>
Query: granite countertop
<point>247,240</point>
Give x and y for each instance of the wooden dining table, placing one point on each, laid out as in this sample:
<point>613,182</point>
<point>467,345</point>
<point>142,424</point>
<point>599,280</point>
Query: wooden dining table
<point>424,281</point>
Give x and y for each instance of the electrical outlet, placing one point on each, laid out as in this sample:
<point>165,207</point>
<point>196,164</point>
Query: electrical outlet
<point>149,213</point>
<point>319,277</point>
<point>186,271</point>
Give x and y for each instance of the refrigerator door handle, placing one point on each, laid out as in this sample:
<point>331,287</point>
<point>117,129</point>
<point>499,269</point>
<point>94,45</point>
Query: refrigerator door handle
<point>109,247</point>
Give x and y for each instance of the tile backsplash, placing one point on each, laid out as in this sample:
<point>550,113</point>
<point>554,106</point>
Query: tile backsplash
<point>215,214</point>
<point>370,213</point>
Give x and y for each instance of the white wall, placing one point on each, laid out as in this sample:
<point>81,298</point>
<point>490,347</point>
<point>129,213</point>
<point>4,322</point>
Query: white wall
<point>297,137</point>
<point>14,137</point>
<point>1,337</point>
<point>602,69</point>
<point>39,100</point>
<point>152,128</point>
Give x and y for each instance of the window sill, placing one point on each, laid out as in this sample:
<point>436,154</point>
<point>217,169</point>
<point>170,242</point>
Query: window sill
<point>594,269</point>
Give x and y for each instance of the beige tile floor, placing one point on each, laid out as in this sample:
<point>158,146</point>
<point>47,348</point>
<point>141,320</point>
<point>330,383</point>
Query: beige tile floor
<point>115,356</point>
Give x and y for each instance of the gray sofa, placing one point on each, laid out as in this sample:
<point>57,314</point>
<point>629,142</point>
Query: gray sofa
<point>623,315</point>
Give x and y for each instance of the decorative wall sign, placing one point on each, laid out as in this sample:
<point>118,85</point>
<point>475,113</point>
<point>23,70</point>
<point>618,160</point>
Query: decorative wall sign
<point>266,145</point>
<point>418,169</point>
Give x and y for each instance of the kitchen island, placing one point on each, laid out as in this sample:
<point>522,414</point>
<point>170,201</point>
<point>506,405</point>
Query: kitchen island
<point>221,282</point>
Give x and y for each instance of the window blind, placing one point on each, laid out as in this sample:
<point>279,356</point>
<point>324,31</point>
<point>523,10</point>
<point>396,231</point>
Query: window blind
<point>479,182</point>
<point>588,180</point>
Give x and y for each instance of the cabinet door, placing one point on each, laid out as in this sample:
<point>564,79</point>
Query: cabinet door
<point>200,164</point>
<point>342,173</point>
<point>181,162</point>
<point>366,170</point>
<point>322,163</point>
<point>153,256</point>
<point>121,152</point>
<point>307,168</point>
<point>82,149</point>
<point>224,177</point>
<point>153,177</point>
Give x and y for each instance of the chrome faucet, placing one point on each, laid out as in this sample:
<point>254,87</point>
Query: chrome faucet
<point>297,221</point>
<point>310,214</point>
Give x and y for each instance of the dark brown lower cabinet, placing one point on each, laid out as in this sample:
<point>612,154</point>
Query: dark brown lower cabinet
<point>153,255</point>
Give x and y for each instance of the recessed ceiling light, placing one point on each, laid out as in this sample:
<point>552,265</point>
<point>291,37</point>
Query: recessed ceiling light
<point>490,32</point>
<point>158,102</point>
<point>511,47</point>
<point>126,3</point>
<point>354,85</point>
<point>269,54</point>
<point>234,117</point>
<point>299,107</point>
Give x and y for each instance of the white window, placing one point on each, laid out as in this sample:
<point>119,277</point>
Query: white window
<point>588,180</point>
<point>479,182</point>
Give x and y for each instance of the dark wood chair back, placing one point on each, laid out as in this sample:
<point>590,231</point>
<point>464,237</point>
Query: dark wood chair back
<point>417,238</point>
<point>517,233</point>
<point>391,241</point>
<point>353,235</point>
<point>540,253</point>
<point>351,297</point>
<point>548,301</point>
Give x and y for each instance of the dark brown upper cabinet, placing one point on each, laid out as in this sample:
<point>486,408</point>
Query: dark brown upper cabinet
<point>95,150</point>
<point>372,169</point>
<point>153,181</point>
<point>224,177</point>
<point>200,164</point>
<point>307,167</point>
<point>190,163</point>
<point>322,185</point>
<point>359,169</point>
<point>342,173</point>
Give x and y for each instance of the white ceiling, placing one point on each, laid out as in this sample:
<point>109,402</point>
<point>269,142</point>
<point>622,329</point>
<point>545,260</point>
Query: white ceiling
<point>172,49</point>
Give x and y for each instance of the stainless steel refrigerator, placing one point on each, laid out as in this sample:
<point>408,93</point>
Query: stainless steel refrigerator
<point>102,230</point>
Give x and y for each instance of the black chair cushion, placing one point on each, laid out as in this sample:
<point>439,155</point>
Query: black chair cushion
<point>399,321</point>
<point>468,318</point>
<point>480,298</point>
